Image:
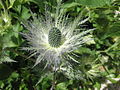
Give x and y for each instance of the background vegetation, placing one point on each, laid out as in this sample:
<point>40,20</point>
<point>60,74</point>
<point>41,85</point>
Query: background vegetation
<point>99,58</point>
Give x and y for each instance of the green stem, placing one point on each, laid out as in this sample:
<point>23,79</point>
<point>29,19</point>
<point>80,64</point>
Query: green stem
<point>54,80</point>
<point>106,69</point>
<point>114,45</point>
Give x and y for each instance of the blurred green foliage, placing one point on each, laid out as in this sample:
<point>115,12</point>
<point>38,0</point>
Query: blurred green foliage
<point>99,60</point>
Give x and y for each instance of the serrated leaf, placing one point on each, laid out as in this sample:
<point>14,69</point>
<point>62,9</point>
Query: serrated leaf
<point>25,13</point>
<point>6,59</point>
<point>7,42</point>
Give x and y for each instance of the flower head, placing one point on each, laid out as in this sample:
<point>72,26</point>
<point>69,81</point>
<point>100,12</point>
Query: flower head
<point>53,38</point>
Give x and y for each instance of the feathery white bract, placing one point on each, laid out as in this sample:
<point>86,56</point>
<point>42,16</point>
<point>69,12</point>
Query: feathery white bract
<point>38,37</point>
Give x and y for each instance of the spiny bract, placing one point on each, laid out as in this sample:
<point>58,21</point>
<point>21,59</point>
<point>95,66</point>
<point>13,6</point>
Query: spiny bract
<point>51,39</point>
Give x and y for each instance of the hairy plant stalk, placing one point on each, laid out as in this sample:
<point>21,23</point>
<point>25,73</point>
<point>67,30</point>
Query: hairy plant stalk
<point>54,80</point>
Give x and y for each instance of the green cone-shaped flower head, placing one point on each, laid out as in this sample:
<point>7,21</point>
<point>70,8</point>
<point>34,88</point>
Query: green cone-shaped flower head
<point>54,37</point>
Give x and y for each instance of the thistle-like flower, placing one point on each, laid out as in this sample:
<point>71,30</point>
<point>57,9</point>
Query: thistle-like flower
<point>51,39</point>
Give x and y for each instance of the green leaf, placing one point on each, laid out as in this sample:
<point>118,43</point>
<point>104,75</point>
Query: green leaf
<point>7,42</point>
<point>61,86</point>
<point>112,80</point>
<point>83,50</point>
<point>25,13</point>
<point>94,3</point>
<point>97,85</point>
<point>69,5</point>
<point>14,75</point>
<point>114,30</point>
<point>6,59</point>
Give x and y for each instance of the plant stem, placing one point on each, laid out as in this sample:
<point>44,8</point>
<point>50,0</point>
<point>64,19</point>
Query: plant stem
<point>54,79</point>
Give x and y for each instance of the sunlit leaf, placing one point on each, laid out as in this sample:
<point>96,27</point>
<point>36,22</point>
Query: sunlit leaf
<point>94,3</point>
